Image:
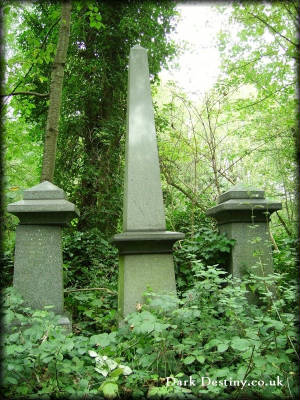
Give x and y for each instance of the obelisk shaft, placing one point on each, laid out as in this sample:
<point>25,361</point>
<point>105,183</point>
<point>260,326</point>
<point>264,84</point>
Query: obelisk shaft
<point>143,200</point>
<point>145,247</point>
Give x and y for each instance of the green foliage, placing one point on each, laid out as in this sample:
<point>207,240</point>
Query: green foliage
<point>262,59</point>
<point>184,217</point>
<point>90,261</point>
<point>93,310</point>
<point>216,333</point>
<point>207,246</point>
<point>7,269</point>
<point>90,150</point>
<point>41,360</point>
<point>287,258</point>
<point>211,332</point>
<point>89,258</point>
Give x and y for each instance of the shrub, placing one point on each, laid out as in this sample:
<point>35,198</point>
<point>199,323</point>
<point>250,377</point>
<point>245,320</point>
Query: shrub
<point>40,360</point>
<point>90,261</point>
<point>206,246</point>
<point>211,334</point>
<point>89,258</point>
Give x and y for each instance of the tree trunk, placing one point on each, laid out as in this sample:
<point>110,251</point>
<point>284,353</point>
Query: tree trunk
<point>55,93</point>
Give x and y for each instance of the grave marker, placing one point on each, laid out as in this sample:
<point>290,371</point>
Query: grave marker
<point>243,214</point>
<point>145,247</point>
<point>38,273</point>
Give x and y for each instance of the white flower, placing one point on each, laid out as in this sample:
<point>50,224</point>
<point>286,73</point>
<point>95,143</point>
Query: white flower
<point>93,353</point>
<point>102,371</point>
<point>126,370</point>
<point>111,364</point>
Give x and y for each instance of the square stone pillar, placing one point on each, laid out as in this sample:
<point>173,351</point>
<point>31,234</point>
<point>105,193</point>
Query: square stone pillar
<point>145,247</point>
<point>243,214</point>
<point>38,271</point>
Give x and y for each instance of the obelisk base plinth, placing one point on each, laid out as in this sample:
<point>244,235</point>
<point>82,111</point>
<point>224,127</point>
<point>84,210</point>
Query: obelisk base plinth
<point>253,250</point>
<point>38,274</point>
<point>140,271</point>
<point>146,261</point>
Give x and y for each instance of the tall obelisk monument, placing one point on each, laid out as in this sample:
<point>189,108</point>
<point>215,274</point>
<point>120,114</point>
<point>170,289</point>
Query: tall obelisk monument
<point>145,247</point>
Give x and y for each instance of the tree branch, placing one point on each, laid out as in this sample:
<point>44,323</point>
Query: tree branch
<point>283,223</point>
<point>264,98</point>
<point>32,65</point>
<point>271,28</point>
<point>186,193</point>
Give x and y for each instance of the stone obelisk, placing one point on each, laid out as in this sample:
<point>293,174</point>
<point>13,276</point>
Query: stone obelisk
<point>145,247</point>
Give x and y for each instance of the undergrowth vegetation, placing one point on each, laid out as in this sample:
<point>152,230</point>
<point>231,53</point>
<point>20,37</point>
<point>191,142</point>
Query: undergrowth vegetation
<point>197,345</point>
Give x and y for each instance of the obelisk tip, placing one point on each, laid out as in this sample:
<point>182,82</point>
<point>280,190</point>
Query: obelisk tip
<point>138,47</point>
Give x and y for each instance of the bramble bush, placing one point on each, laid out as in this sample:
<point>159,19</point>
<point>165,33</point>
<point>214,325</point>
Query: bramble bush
<point>212,331</point>
<point>207,246</point>
<point>42,361</point>
<point>287,258</point>
<point>90,261</point>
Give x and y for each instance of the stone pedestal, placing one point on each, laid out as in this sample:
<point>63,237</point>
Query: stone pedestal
<point>38,273</point>
<point>145,260</point>
<point>243,214</point>
<point>145,246</point>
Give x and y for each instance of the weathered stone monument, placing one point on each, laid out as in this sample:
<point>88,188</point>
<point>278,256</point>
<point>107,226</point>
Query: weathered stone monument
<point>38,273</point>
<point>145,247</point>
<point>243,214</point>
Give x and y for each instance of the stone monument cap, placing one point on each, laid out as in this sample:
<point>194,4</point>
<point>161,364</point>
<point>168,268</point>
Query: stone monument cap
<point>240,203</point>
<point>138,47</point>
<point>44,203</point>
<point>146,242</point>
<point>44,191</point>
<point>241,191</point>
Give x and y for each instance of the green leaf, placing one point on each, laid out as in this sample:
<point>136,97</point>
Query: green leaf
<point>201,359</point>
<point>221,372</point>
<point>189,360</point>
<point>240,344</point>
<point>10,379</point>
<point>222,347</point>
<point>116,372</point>
<point>101,340</point>
<point>289,351</point>
<point>110,390</point>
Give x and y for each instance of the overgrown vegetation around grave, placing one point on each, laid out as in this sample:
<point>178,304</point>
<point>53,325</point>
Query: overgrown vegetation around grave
<point>211,332</point>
